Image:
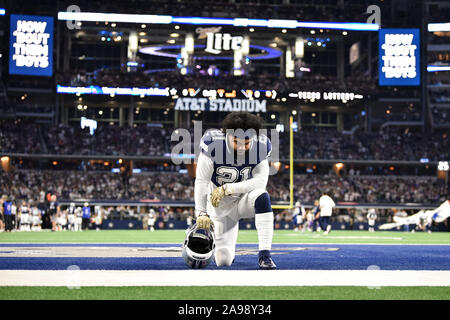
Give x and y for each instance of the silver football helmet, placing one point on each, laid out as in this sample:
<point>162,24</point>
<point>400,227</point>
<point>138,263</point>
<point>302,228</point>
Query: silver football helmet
<point>198,247</point>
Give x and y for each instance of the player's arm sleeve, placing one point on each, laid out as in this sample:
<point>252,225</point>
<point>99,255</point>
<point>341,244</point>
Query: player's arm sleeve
<point>203,175</point>
<point>259,180</point>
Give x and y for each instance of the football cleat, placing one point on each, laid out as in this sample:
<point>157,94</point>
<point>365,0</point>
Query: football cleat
<point>265,261</point>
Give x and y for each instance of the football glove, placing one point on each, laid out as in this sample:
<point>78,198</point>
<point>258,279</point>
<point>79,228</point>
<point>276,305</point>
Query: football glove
<point>218,194</point>
<point>203,221</point>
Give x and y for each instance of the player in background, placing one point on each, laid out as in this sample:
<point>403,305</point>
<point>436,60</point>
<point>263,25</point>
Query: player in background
<point>425,223</point>
<point>14,215</point>
<point>229,190</point>
<point>152,219</point>
<point>326,209</point>
<point>189,220</point>
<point>2,217</point>
<point>53,211</point>
<point>59,221</point>
<point>316,214</point>
<point>36,218</point>
<point>63,220</point>
<point>371,218</point>
<point>78,218</point>
<point>17,223</point>
<point>402,214</point>
<point>309,224</point>
<point>298,216</point>
<point>71,216</point>
<point>25,218</point>
<point>98,218</point>
<point>86,216</point>
<point>18,218</point>
<point>6,209</point>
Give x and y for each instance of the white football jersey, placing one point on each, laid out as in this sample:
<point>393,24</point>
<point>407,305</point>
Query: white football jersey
<point>24,210</point>
<point>35,211</point>
<point>371,215</point>
<point>326,206</point>
<point>217,166</point>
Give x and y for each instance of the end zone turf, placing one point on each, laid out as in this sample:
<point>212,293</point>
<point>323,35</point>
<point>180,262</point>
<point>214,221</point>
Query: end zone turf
<point>412,273</point>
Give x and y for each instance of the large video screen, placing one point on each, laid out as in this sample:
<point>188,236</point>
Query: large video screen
<point>399,57</point>
<point>31,45</point>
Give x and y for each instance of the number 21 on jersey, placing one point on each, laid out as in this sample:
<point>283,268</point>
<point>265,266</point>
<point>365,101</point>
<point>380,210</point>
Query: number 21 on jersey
<point>231,174</point>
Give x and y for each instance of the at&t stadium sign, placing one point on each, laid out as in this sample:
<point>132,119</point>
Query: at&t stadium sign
<point>223,105</point>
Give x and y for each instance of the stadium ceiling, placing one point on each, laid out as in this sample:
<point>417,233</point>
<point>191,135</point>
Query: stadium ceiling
<point>236,22</point>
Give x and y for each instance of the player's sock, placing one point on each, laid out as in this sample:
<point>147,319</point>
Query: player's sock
<point>264,227</point>
<point>264,221</point>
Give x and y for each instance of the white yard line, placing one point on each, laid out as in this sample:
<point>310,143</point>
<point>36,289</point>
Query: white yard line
<point>87,278</point>
<point>105,244</point>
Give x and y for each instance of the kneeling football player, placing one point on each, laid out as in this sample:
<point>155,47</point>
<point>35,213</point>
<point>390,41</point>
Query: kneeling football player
<point>231,177</point>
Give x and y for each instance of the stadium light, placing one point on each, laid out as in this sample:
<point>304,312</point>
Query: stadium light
<point>114,17</point>
<point>438,68</point>
<point>2,11</point>
<point>236,22</point>
<point>6,163</point>
<point>340,26</point>
<point>339,165</point>
<point>433,27</point>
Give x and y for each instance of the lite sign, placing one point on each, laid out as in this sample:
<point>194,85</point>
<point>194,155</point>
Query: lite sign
<point>216,42</point>
<point>399,57</point>
<point>31,45</point>
<point>221,105</point>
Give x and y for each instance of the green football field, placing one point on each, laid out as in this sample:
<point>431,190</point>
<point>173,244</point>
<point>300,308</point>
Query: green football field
<point>228,292</point>
<point>245,236</point>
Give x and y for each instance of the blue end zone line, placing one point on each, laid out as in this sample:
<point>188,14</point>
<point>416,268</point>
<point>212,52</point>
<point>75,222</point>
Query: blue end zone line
<point>347,257</point>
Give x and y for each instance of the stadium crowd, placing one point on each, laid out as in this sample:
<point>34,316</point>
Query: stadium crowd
<point>73,185</point>
<point>393,144</point>
<point>441,115</point>
<point>85,185</point>
<point>309,143</point>
<point>65,139</point>
<point>33,187</point>
<point>440,96</point>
